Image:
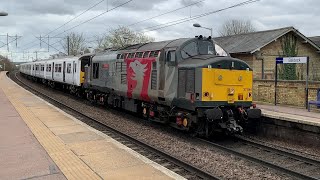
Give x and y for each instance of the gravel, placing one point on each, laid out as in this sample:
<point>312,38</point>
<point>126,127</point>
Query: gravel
<point>178,144</point>
<point>296,148</point>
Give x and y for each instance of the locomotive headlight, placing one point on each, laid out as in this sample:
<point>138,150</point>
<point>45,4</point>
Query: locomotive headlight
<point>185,122</point>
<point>231,91</point>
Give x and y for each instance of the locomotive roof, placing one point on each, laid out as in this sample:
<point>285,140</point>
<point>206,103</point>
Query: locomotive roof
<point>203,60</point>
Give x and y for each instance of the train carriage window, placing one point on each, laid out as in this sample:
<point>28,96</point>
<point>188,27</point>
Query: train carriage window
<point>95,71</point>
<point>139,54</point>
<point>146,54</point>
<point>59,67</point>
<point>118,56</point>
<point>48,68</point>
<point>42,68</point>
<point>156,53</point>
<point>152,53</point>
<point>130,55</point>
<point>121,56</point>
<point>69,68</point>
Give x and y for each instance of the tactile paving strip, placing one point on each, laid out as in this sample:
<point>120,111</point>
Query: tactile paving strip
<point>71,166</point>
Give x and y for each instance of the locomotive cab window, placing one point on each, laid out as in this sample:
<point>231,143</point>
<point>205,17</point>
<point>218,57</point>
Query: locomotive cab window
<point>206,47</point>
<point>95,70</point>
<point>171,57</point>
<point>189,50</point>
<point>202,47</point>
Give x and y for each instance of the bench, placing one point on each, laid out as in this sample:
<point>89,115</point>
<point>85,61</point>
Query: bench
<point>317,102</point>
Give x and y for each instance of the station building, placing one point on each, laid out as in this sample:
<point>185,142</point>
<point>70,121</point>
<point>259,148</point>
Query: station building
<point>260,49</point>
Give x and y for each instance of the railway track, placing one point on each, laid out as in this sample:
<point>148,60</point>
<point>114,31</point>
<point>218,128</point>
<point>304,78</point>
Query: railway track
<point>289,163</point>
<point>172,163</point>
<point>280,160</point>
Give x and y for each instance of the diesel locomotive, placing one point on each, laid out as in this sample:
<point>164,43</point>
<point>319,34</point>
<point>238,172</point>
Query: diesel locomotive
<point>188,83</point>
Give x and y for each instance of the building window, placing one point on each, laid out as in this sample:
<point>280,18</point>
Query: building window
<point>95,70</point>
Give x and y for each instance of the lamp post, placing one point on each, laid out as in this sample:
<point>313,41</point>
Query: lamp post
<point>3,13</point>
<point>198,25</point>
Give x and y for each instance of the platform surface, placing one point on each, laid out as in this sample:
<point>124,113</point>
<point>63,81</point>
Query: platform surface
<point>21,155</point>
<point>292,114</point>
<point>77,150</point>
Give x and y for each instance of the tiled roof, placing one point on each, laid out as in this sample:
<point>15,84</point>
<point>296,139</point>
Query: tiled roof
<point>251,42</point>
<point>315,39</point>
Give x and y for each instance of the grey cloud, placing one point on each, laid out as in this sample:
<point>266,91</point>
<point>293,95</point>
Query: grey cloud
<point>188,2</point>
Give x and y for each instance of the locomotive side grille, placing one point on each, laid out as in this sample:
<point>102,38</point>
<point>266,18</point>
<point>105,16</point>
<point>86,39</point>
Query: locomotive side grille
<point>123,67</point>
<point>190,80</point>
<point>154,76</point>
<point>154,79</point>
<point>123,78</point>
<point>182,83</point>
<point>118,66</point>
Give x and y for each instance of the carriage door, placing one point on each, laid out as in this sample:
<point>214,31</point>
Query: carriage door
<point>74,72</point>
<point>64,71</point>
<point>53,69</point>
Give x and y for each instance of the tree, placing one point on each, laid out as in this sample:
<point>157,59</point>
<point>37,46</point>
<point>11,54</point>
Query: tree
<point>6,64</point>
<point>76,43</point>
<point>121,37</point>
<point>235,26</point>
<point>289,49</point>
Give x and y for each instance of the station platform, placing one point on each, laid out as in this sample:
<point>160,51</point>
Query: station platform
<point>292,114</point>
<point>40,141</point>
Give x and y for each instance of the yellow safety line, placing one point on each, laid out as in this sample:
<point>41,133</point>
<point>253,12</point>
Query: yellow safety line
<point>70,165</point>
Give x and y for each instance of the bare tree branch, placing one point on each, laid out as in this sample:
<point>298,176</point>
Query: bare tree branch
<point>234,26</point>
<point>121,37</point>
<point>76,43</point>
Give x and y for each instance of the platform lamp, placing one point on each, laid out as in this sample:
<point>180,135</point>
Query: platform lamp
<point>3,13</point>
<point>199,26</point>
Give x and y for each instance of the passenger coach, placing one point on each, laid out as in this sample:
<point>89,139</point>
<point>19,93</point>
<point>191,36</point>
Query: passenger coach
<point>67,72</point>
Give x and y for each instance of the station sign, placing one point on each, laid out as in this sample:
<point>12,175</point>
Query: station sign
<point>291,60</point>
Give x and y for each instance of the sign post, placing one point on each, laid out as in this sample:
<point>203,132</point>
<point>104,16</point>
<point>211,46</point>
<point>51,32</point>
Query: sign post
<point>291,60</point>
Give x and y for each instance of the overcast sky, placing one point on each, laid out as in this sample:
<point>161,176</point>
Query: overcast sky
<point>31,18</point>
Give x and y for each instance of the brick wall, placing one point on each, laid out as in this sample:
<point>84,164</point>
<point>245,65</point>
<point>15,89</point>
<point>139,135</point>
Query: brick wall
<point>288,92</point>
